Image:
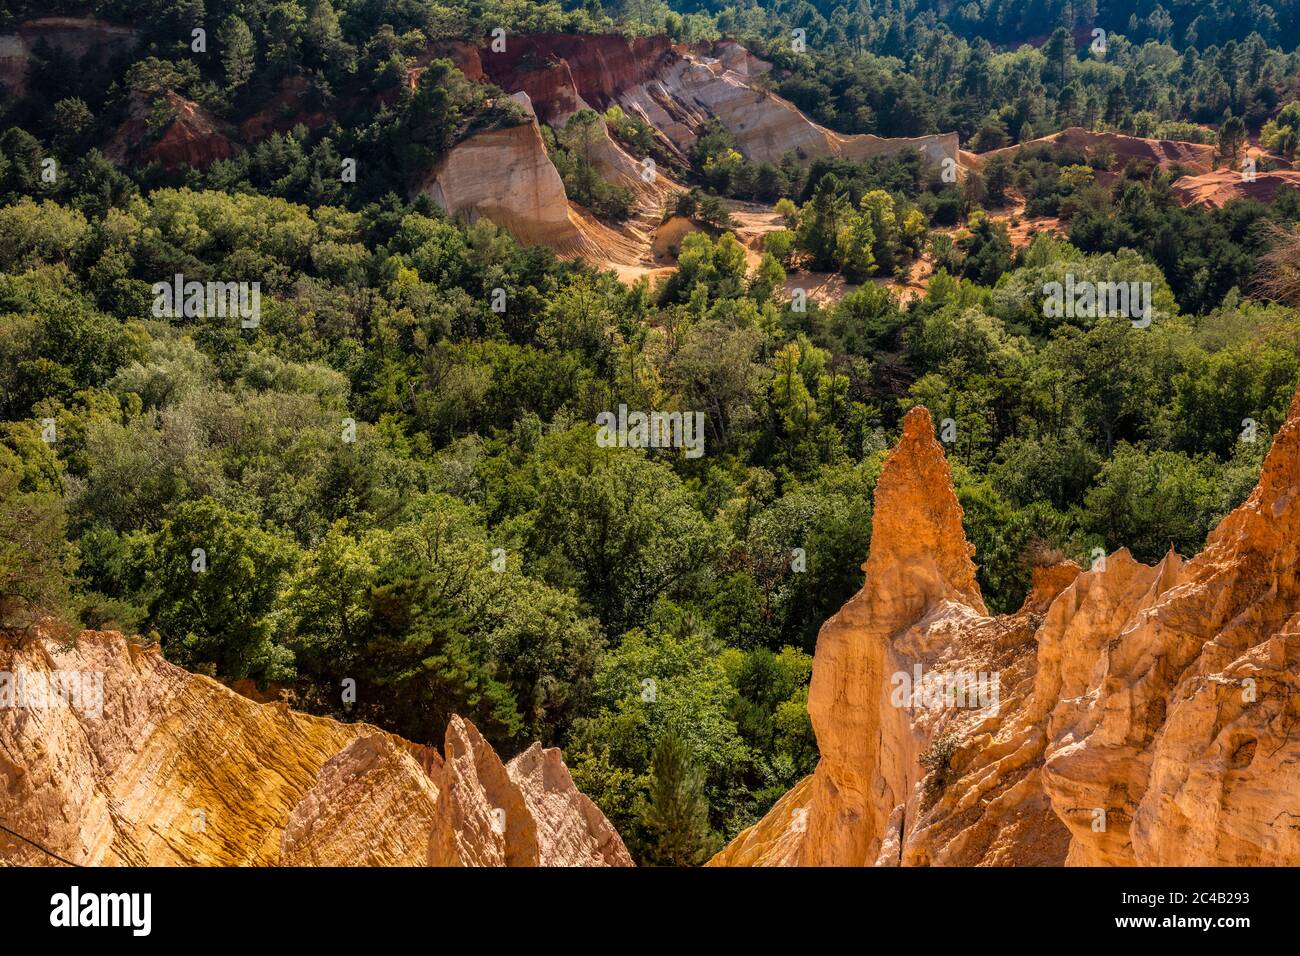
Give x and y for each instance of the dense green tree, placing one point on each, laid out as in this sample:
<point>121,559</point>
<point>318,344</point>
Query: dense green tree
<point>238,52</point>
<point>218,575</point>
<point>677,813</point>
<point>34,555</point>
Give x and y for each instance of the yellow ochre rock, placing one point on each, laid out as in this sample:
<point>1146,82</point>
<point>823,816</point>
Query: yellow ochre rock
<point>1125,715</point>
<point>111,756</point>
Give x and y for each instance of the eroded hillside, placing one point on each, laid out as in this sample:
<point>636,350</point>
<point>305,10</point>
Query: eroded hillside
<point>675,90</point>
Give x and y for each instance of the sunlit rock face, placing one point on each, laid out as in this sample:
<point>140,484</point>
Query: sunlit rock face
<point>506,176</point>
<point>190,136</point>
<point>373,804</point>
<point>1142,715</point>
<point>1223,186</point>
<point>111,756</point>
<point>525,813</point>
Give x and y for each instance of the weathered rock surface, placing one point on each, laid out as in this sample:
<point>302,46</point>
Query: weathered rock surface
<point>689,89</point>
<point>177,769</point>
<point>1142,715</point>
<point>1201,159</point>
<point>190,136</point>
<point>556,69</point>
<point>571,830</point>
<point>505,176</point>
<point>525,813</point>
<point>1124,148</point>
<point>162,767</point>
<point>676,90</point>
<point>373,804</point>
<point>484,819</point>
<point>1223,186</point>
<point>14,65</point>
<point>79,38</point>
<point>283,111</point>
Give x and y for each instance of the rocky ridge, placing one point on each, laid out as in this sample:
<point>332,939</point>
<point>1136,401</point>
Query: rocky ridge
<point>1222,186</point>
<point>137,762</point>
<point>1141,715</point>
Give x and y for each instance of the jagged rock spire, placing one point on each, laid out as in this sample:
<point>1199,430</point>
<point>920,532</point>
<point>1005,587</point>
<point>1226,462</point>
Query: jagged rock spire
<point>919,549</point>
<point>1146,714</point>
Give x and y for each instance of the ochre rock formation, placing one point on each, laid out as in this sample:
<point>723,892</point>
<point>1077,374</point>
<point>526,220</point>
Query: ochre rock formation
<point>1142,715</point>
<point>373,804</point>
<point>676,90</point>
<point>1223,186</point>
<point>162,767</point>
<point>1206,184</point>
<point>1125,148</point>
<point>14,65</point>
<point>505,175</point>
<point>555,68</point>
<point>688,90</point>
<point>191,135</point>
<point>485,821</point>
<point>525,813</point>
<point>81,39</point>
<point>736,58</point>
<point>177,769</point>
<point>571,830</point>
<point>283,111</point>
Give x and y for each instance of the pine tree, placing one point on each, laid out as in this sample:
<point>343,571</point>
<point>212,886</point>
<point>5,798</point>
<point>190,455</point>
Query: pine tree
<point>238,52</point>
<point>677,814</point>
<point>1232,137</point>
<point>821,220</point>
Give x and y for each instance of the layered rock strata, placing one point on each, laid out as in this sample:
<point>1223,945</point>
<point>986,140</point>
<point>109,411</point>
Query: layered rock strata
<point>110,756</point>
<point>1125,715</point>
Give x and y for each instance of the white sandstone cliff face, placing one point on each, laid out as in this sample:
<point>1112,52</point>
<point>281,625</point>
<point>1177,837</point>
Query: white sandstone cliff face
<point>1145,713</point>
<point>14,65</point>
<point>689,89</point>
<point>74,37</point>
<point>505,176</point>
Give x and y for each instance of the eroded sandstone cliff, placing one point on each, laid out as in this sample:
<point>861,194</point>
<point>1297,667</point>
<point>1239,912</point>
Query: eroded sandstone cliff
<point>1139,715</point>
<point>111,756</point>
<point>188,135</point>
<point>79,39</point>
<point>676,90</point>
<point>506,176</point>
<point>1223,186</point>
